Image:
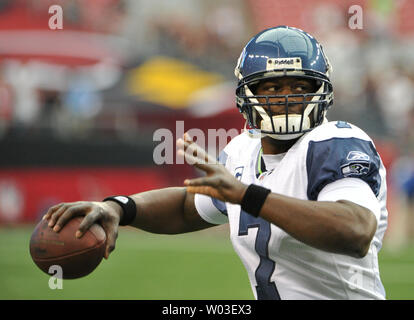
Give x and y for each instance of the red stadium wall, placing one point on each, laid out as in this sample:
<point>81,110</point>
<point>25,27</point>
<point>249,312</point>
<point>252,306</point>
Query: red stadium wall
<point>26,194</point>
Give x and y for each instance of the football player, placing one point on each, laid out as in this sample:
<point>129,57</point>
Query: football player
<point>305,198</point>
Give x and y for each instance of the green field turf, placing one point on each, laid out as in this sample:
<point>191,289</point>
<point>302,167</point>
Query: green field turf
<point>199,265</point>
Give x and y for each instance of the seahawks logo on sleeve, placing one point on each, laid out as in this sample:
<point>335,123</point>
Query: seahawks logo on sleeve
<point>337,158</point>
<point>358,164</point>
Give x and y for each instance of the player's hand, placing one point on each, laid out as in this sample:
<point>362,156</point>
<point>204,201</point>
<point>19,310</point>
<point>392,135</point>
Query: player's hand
<point>218,183</point>
<point>105,213</point>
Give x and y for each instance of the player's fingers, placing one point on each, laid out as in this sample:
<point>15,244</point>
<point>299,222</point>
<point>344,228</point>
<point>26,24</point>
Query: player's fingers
<point>92,217</point>
<point>213,182</point>
<point>191,148</point>
<point>195,150</point>
<point>68,214</point>
<point>57,213</point>
<point>208,191</point>
<point>187,137</point>
<point>51,210</point>
<point>111,236</point>
<point>198,163</point>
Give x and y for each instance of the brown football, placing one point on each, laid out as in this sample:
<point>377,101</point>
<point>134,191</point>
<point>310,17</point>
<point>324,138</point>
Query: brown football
<point>76,257</point>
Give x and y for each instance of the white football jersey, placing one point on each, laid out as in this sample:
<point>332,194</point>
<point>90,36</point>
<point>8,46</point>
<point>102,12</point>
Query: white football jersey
<point>334,161</point>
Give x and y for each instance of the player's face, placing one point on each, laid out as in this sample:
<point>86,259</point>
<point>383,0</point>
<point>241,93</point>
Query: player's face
<point>285,86</point>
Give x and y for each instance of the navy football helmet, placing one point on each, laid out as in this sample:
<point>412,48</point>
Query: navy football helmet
<point>283,52</point>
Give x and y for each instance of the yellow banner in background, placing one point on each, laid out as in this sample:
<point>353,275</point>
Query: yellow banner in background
<point>168,81</point>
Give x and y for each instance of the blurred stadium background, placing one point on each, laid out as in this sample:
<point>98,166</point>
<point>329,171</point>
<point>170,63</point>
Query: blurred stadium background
<point>79,107</point>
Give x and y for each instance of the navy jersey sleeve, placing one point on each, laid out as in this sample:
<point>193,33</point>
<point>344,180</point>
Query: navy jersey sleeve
<point>337,158</point>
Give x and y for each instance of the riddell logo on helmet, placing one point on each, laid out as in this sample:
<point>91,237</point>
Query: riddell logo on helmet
<point>278,63</point>
<point>285,61</point>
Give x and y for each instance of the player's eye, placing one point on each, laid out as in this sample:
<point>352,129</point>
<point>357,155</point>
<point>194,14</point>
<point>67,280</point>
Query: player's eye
<point>302,87</point>
<point>272,88</point>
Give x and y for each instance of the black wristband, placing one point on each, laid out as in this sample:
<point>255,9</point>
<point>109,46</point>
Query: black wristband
<point>254,199</point>
<point>128,206</point>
